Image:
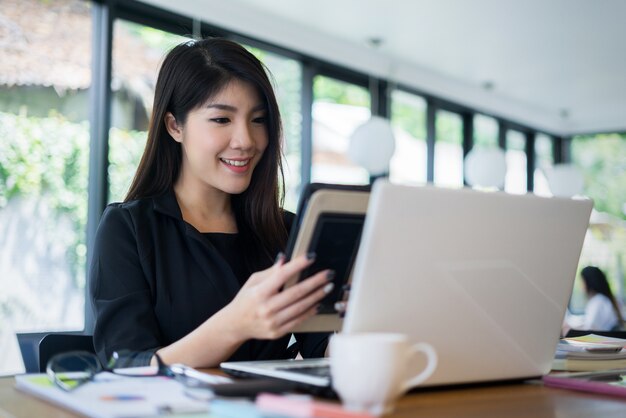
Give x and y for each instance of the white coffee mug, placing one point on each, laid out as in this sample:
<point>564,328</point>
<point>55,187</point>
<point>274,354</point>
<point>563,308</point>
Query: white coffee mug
<point>369,370</point>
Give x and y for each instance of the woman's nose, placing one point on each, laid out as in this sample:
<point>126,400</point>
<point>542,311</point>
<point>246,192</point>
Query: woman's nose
<point>243,137</point>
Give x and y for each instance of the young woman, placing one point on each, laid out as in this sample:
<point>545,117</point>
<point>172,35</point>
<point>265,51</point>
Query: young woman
<point>187,265</point>
<point>602,311</point>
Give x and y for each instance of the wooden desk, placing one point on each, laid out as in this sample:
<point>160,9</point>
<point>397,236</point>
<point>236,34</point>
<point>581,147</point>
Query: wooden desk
<point>511,401</point>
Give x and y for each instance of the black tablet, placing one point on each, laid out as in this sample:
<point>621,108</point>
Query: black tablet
<point>329,222</point>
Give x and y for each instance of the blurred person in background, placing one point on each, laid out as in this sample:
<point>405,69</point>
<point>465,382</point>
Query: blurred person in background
<point>602,311</point>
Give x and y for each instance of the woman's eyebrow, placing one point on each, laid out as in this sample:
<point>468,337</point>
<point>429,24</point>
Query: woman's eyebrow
<point>233,108</point>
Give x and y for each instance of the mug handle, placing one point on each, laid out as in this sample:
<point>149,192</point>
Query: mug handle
<point>431,364</point>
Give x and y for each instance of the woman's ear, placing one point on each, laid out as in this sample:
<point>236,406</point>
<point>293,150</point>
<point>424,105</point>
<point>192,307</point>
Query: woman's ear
<point>173,128</point>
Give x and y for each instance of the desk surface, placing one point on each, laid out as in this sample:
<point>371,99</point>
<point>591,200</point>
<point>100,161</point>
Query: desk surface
<point>512,401</point>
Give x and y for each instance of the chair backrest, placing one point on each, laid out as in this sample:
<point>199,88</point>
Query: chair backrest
<point>57,343</point>
<point>578,333</point>
<point>29,348</point>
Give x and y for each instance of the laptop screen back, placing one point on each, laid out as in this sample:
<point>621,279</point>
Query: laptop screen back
<point>484,277</point>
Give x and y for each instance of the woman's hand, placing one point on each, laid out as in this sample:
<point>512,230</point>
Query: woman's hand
<point>261,310</point>
<point>341,305</point>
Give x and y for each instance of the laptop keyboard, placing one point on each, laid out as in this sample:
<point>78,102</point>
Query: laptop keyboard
<point>319,371</point>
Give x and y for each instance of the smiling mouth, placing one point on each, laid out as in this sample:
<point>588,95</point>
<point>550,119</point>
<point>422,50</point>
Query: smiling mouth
<point>236,163</point>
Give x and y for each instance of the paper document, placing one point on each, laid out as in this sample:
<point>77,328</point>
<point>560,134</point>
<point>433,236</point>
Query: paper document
<point>590,353</point>
<point>594,339</point>
<point>114,396</point>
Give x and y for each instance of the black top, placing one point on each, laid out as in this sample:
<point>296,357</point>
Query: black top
<point>154,278</point>
<point>229,246</point>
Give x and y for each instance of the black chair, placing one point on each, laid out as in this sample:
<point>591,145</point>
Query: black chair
<point>56,343</point>
<point>577,333</point>
<point>29,348</point>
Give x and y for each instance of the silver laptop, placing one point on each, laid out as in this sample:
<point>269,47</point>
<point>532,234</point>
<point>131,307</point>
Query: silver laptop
<point>483,277</point>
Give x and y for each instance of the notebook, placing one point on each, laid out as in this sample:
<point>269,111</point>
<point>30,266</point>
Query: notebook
<point>485,277</point>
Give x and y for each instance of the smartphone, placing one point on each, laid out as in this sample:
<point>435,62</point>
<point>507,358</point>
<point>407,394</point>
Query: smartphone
<point>335,242</point>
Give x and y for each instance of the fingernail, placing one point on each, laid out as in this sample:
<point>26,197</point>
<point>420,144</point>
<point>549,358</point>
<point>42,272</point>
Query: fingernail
<point>329,287</point>
<point>340,306</point>
<point>330,275</point>
<point>279,257</point>
<point>310,256</point>
<point>345,287</point>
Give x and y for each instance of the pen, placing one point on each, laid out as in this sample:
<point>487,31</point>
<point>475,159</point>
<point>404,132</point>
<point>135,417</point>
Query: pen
<point>304,408</point>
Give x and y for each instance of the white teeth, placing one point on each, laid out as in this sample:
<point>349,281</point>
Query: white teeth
<point>235,163</point>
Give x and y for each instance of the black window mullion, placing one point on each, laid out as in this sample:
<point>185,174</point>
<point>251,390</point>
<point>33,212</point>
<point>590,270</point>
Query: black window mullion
<point>530,161</point>
<point>306,110</point>
<point>557,149</point>
<point>382,106</point>
<point>502,128</point>
<point>566,149</point>
<point>468,132</point>
<point>468,136</point>
<point>99,125</point>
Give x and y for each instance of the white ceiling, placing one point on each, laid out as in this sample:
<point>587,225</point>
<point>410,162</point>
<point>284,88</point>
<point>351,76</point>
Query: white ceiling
<point>558,65</point>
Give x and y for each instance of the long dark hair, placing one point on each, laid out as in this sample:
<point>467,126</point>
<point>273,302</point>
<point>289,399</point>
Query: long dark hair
<point>596,282</point>
<point>191,74</point>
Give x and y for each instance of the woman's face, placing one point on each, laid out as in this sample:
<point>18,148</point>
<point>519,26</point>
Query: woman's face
<point>224,139</point>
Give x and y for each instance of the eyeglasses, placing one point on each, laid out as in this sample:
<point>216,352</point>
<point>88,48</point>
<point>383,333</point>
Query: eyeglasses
<point>72,369</point>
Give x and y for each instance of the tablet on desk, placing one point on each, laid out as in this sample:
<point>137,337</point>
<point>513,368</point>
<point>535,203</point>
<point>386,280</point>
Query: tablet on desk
<point>329,223</point>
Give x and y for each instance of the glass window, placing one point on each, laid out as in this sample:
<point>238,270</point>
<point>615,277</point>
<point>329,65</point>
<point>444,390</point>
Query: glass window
<point>485,131</point>
<point>286,75</point>
<point>602,160</point>
<point>448,149</point>
<point>544,159</point>
<point>45,77</point>
<point>137,54</point>
<point>516,162</point>
<point>408,119</point>
<point>338,109</point>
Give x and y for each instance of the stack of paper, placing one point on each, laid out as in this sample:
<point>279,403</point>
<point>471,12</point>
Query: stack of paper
<point>590,353</point>
<point>113,396</point>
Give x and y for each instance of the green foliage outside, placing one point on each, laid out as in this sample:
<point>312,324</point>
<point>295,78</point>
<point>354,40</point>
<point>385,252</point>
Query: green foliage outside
<point>448,127</point>
<point>152,38</point>
<point>331,90</point>
<point>602,159</point>
<point>48,157</point>
<point>125,150</point>
<point>412,118</point>
<point>409,117</point>
<point>485,131</point>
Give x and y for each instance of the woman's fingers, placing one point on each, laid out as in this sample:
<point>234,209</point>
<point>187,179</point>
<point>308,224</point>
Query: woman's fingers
<point>290,325</point>
<point>281,273</point>
<point>302,305</point>
<point>259,276</point>
<point>271,323</point>
<point>300,290</point>
<point>341,305</point>
<point>271,313</point>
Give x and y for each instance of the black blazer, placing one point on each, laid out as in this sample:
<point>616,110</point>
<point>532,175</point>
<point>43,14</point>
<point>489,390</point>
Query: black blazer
<point>154,278</point>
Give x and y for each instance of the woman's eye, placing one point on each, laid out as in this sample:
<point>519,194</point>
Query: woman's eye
<point>220,120</point>
<point>260,119</point>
